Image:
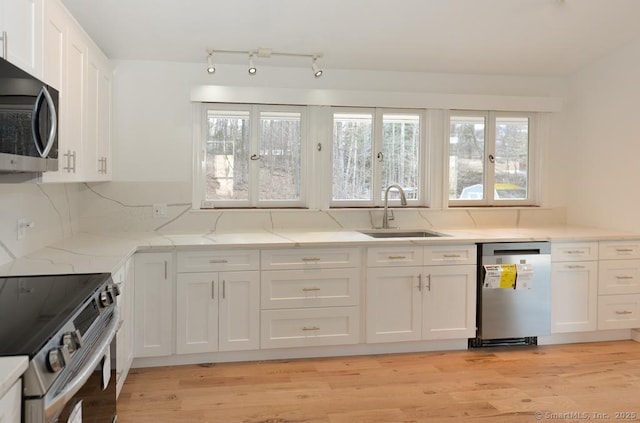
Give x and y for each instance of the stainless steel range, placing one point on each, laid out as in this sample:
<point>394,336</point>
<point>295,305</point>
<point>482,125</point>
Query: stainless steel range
<point>66,325</point>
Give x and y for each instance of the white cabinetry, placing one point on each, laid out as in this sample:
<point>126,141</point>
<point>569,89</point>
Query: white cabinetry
<point>10,404</point>
<point>418,293</point>
<point>310,297</point>
<point>619,285</point>
<point>574,286</point>
<point>21,23</point>
<point>217,301</point>
<point>124,277</point>
<point>153,314</point>
<point>80,71</point>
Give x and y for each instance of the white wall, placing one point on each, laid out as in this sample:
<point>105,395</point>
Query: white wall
<point>599,162</point>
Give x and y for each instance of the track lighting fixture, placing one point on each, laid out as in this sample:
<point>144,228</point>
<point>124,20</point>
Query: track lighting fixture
<point>210,68</point>
<point>264,53</point>
<point>317,72</point>
<point>252,68</point>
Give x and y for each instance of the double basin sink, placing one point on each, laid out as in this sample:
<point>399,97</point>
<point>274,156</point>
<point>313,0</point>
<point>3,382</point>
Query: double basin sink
<point>397,233</point>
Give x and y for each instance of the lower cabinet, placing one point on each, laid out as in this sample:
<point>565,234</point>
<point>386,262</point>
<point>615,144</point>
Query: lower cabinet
<point>574,287</point>
<point>217,301</point>
<point>153,314</point>
<point>11,404</point>
<point>217,311</point>
<point>310,297</point>
<point>411,303</point>
<point>124,278</point>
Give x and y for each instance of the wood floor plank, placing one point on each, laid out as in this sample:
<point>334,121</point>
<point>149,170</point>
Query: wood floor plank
<point>482,385</point>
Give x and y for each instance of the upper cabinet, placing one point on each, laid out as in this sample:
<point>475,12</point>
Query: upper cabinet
<point>21,27</point>
<point>82,73</point>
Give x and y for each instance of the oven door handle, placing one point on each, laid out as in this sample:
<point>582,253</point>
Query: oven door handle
<point>54,404</point>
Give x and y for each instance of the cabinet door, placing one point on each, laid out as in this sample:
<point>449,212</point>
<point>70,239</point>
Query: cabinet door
<point>449,304</point>
<point>124,337</point>
<point>239,314</point>
<point>197,312</point>
<point>153,319</point>
<point>22,21</point>
<point>394,304</point>
<point>574,302</point>
<point>97,146</point>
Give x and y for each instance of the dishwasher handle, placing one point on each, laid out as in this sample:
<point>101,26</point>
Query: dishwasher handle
<point>527,252</point>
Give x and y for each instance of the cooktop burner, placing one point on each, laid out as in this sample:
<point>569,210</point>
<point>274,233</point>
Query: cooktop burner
<point>34,308</point>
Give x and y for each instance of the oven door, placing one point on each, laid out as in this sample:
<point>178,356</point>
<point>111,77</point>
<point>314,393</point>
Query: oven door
<point>88,392</point>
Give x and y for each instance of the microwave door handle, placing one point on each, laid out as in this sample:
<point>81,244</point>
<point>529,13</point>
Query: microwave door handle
<point>44,150</point>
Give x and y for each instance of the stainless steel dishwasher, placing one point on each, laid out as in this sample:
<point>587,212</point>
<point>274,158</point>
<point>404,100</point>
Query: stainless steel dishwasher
<point>514,316</point>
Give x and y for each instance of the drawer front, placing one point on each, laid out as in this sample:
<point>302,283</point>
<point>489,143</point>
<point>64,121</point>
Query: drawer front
<point>310,288</point>
<point>310,327</point>
<point>450,254</point>
<point>574,251</point>
<point>397,256</point>
<point>618,311</point>
<point>217,260</point>
<point>619,277</point>
<point>612,250</point>
<point>306,258</point>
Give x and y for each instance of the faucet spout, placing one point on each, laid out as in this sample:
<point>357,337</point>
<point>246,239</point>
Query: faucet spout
<point>403,201</point>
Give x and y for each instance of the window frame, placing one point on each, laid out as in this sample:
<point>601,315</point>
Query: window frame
<point>488,199</point>
<point>253,200</point>
<point>377,136</point>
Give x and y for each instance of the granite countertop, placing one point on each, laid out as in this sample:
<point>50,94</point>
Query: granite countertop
<point>106,252</point>
<point>11,368</point>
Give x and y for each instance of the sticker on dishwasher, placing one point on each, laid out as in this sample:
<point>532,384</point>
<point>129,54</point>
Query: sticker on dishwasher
<point>509,276</point>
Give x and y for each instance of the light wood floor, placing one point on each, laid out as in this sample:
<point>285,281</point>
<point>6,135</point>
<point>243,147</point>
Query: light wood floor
<point>561,383</point>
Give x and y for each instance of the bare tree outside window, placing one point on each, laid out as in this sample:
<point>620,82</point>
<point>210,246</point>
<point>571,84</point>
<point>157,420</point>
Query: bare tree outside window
<point>352,149</point>
<point>280,156</point>
<point>401,153</point>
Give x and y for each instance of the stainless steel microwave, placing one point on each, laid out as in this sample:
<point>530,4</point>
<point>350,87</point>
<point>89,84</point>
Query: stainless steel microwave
<point>28,122</point>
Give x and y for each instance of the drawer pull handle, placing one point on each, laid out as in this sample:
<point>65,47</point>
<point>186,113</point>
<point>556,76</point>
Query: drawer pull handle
<point>575,252</point>
<point>218,261</point>
<point>452,256</point>
<point>624,312</point>
<point>574,266</point>
<point>306,259</point>
<point>307,328</point>
<point>310,289</point>
<point>397,257</point>
<point>624,277</point>
<point>624,250</point>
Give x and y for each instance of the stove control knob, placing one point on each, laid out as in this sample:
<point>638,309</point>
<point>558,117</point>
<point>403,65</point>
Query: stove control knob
<point>115,288</point>
<point>55,361</point>
<point>105,299</point>
<point>72,340</point>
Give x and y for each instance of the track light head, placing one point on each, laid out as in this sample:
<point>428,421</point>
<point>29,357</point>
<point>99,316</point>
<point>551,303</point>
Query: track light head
<point>252,69</point>
<point>210,68</point>
<point>317,72</point>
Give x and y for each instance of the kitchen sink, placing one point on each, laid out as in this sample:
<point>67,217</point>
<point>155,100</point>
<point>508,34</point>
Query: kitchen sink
<point>385,233</point>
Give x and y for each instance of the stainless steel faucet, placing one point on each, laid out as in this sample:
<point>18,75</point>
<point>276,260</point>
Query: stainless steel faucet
<point>403,200</point>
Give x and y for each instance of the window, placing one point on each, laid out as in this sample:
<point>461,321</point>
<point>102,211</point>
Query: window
<point>373,149</point>
<point>489,158</point>
<point>253,156</point>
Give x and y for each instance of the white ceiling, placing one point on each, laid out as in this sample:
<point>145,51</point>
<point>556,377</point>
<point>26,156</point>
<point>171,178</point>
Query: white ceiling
<point>515,37</point>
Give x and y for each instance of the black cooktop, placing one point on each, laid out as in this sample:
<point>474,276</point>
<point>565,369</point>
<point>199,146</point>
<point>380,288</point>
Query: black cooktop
<point>34,308</point>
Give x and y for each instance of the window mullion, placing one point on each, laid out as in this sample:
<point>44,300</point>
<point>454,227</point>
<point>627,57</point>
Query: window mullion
<point>490,151</point>
<point>377,158</point>
<point>254,149</point>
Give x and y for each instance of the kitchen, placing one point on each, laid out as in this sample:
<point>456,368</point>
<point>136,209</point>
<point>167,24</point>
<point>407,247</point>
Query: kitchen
<point>592,127</point>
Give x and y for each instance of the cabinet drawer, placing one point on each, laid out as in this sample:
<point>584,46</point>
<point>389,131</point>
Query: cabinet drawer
<point>397,256</point>
<point>306,258</point>
<point>618,311</point>
<point>217,260</point>
<point>310,327</point>
<point>619,250</point>
<point>310,288</point>
<point>574,251</point>
<point>619,277</point>
<point>450,254</point>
